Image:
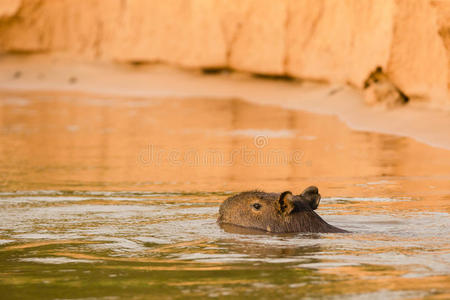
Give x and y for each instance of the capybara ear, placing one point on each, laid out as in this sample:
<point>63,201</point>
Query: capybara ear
<point>286,203</point>
<point>311,196</point>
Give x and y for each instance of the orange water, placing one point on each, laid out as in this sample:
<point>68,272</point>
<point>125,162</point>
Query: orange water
<point>112,197</point>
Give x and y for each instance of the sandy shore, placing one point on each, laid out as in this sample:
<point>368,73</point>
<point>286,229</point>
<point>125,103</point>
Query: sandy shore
<point>45,73</point>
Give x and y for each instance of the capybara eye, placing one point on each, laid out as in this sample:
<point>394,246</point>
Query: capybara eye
<point>256,205</point>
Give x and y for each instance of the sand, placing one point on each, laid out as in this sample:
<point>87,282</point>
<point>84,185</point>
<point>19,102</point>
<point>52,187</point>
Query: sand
<point>53,73</point>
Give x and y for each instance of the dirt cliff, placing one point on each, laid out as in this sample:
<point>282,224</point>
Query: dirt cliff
<point>327,40</point>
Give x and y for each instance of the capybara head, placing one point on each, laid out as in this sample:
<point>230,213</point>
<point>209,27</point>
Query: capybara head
<point>278,213</point>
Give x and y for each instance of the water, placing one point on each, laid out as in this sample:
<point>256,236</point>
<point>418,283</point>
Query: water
<point>111,198</point>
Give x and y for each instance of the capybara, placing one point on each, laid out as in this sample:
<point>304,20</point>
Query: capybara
<point>277,213</point>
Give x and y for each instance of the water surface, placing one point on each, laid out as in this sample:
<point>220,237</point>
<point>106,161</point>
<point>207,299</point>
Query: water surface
<point>110,198</point>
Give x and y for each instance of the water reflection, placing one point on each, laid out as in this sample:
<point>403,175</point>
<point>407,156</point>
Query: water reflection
<point>76,141</point>
<point>120,197</point>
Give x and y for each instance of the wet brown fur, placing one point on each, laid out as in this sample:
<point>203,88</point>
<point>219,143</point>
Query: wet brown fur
<point>294,214</point>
